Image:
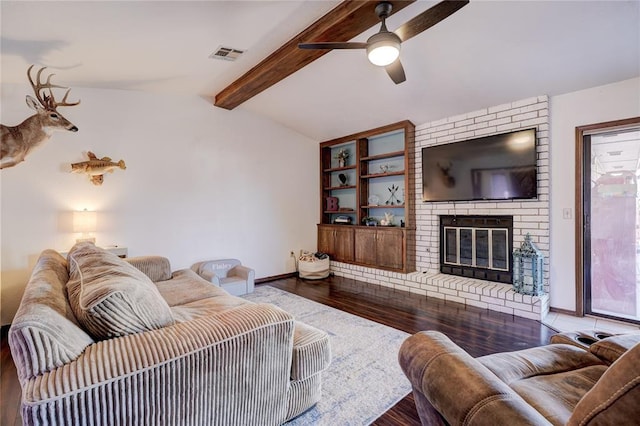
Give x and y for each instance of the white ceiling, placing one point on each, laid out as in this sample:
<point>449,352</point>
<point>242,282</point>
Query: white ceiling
<point>488,53</point>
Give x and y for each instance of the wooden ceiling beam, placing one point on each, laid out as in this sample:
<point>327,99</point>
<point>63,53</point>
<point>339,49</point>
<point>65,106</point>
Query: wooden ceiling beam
<point>343,23</point>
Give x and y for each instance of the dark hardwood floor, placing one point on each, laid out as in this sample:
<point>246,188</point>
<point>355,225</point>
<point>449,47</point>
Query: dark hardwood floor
<point>478,331</point>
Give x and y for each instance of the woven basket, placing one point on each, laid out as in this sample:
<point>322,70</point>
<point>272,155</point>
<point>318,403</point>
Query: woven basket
<point>316,270</point>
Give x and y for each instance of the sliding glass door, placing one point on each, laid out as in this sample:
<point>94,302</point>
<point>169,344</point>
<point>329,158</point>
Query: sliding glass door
<point>611,207</point>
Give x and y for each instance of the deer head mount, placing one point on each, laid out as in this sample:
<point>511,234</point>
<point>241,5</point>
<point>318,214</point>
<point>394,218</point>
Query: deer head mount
<point>18,141</point>
<point>448,180</point>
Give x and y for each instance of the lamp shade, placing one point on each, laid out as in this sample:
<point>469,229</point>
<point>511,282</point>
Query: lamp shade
<point>84,221</point>
<point>383,48</point>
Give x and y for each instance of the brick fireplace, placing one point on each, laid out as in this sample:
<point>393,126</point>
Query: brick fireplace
<point>528,216</point>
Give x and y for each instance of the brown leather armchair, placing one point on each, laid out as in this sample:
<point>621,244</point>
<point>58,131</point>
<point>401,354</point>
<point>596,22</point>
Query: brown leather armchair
<point>556,384</point>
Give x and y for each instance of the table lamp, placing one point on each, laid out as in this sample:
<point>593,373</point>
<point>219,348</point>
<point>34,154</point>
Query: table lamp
<point>84,222</point>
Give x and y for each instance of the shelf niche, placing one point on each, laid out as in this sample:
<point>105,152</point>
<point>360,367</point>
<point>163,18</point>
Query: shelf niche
<point>378,166</point>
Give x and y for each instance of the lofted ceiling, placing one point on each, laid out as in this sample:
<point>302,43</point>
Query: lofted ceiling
<point>488,53</point>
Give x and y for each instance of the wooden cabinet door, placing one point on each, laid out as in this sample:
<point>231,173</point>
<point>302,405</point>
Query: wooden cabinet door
<point>365,246</point>
<point>390,248</point>
<point>343,244</point>
<point>325,240</point>
<point>336,241</point>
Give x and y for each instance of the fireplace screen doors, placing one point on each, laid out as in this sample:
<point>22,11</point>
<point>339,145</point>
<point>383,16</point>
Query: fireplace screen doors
<point>477,246</point>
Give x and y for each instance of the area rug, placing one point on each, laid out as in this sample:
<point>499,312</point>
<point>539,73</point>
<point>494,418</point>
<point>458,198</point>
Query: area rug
<point>364,379</point>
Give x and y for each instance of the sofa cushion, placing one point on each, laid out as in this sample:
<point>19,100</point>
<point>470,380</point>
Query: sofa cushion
<point>110,297</point>
<point>614,398</point>
<point>612,348</point>
<point>517,365</point>
<point>555,396</point>
<point>207,306</point>
<point>45,334</point>
<point>157,268</point>
<point>552,378</point>
<point>186,286</point>
<point>311,351</point>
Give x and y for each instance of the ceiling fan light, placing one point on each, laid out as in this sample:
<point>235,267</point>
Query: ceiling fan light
<point>383,55</point>
<point>383,49</point>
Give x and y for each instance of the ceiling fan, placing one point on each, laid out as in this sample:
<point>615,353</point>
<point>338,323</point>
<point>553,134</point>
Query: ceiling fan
<point>383,48</point>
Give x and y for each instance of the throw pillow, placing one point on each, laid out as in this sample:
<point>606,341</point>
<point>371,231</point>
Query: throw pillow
<point>110,297</point>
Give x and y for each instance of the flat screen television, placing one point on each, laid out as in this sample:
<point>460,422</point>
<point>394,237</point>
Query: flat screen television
<point>496,167</point>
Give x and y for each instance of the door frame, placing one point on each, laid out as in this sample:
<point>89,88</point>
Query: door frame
<point>580,132</point>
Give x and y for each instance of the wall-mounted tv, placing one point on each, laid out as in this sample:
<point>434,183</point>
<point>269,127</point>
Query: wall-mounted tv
<point>496,167</point>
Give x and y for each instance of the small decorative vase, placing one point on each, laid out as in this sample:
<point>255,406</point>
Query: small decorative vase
<point>341,162</point>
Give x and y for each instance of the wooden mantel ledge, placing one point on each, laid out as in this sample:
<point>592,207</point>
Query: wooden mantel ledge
<point>342,23</point>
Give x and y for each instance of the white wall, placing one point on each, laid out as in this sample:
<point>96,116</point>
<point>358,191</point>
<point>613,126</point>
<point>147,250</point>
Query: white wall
<point>596,105</point>
<point>201,182</point>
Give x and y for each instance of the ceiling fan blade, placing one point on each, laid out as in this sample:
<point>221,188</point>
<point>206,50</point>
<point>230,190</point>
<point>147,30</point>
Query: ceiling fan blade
<point>429,18</point>
<point>329,45</point>
<point>396,72</point>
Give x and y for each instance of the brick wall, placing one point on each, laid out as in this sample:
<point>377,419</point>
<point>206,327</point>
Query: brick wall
<point>529,216</point>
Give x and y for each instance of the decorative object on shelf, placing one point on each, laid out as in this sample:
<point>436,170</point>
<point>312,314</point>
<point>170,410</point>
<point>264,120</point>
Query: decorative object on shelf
<point>342,156</point>
<point>393,199</point>
<point>346,220</point>
<point>95,168</point>
<point>332,204</point>
<point>528,268</point>
<point>18,141</point>
<point>374,200</point>
<point>386,168</point>
<point>343,179</point>
<point>388,219</point>
<point>84,222</point>
<point>370,221</point>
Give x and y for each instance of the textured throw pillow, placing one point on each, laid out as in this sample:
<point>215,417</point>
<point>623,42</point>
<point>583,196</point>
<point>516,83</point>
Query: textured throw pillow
<point>110,297</point>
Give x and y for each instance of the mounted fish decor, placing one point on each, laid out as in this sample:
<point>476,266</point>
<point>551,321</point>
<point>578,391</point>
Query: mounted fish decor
<point>96,167</point>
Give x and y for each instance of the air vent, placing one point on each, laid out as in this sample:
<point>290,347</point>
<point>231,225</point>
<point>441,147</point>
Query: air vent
<point>614,153</point>
<point>226,53</point>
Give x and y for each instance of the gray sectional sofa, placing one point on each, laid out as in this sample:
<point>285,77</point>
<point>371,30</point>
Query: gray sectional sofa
<point>100,340</point>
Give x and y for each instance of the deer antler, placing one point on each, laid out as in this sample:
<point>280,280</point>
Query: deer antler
<point>48,101</point>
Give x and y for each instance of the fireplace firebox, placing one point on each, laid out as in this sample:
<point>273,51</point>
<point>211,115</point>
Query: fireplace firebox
<point>477,247</point>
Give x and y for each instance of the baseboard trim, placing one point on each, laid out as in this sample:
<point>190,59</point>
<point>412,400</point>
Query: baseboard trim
<point>563,311</point>
<point>276,277</point>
